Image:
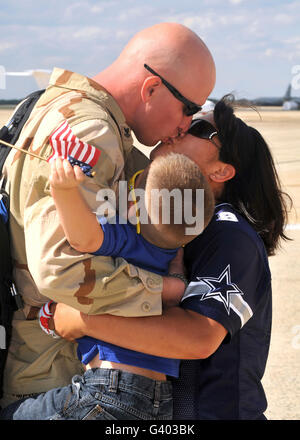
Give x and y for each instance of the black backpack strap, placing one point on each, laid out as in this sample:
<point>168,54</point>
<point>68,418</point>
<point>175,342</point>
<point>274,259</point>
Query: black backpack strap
<point>11,131</point>
<point>7,302</point>
<point>10,300</point>
<point>3,149</point>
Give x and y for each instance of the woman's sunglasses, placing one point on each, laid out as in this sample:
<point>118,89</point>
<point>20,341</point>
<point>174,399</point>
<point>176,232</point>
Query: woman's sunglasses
<point>204,130</point>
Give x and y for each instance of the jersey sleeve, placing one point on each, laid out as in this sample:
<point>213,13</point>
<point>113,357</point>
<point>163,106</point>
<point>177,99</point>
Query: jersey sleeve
<point>227,277</point>
<point>117,237</point>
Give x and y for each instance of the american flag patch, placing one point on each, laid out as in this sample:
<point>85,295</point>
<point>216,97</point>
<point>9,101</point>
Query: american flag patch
<point>64,144</point>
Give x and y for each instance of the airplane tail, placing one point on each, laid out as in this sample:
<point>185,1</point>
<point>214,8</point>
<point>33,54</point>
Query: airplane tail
<point>287,95</point>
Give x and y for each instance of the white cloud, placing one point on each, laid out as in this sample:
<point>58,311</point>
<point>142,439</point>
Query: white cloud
<point>6,46</point>
<point>129,14</point>
<point>269,52</point>
<point>123,34</point>
<point>283,18</point>
<point>201,22</point>
<point>88,33</point>
<point>235,2</point>
<point>232,19</point>
<point>74,8</point>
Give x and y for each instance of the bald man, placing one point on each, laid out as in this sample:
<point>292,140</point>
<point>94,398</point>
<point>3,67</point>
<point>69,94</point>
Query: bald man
<point>179,56</point>
<point>163,76</point>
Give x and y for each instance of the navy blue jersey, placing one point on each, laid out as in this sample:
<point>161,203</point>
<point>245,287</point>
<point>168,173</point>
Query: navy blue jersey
<point>230,282</point>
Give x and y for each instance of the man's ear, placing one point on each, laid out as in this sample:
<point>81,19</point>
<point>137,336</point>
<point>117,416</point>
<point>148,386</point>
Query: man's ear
<point>149,86</point>
<point>223,173</point>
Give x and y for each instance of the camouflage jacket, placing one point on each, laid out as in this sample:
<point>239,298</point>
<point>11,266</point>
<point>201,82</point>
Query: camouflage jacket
<point>45,264</point>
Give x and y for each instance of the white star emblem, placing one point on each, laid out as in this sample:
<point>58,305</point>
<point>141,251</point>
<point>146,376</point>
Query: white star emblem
<point>220,288</point>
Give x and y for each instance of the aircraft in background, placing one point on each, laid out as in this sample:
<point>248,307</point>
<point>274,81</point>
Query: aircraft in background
<point>41,76</point>
<point>290,102</point>
<point>287,101</point>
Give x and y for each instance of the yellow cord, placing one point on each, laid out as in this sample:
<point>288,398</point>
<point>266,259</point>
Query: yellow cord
<point>131,188</point>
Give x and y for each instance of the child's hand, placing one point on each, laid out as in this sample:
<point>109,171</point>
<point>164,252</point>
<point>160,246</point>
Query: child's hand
<point>64,176</point>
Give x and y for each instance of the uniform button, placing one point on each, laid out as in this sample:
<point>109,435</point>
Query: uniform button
<point>150,282</point>
<point>146,307</point>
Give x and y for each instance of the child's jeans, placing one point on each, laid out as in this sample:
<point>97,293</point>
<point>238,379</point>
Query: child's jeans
<point>100,394</point>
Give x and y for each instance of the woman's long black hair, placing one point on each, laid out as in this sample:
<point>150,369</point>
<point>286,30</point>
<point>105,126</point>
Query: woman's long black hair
<point>255,189</point>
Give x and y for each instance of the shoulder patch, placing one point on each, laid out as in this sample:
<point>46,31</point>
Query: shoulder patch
<point>226,216</point>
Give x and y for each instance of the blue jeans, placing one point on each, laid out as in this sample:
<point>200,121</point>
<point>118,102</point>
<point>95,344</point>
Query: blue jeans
<point>100,394</point>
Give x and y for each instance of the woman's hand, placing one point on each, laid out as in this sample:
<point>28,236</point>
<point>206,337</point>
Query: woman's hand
<point>67,322</point>
<point>173,288</point>
<point>177,264</point>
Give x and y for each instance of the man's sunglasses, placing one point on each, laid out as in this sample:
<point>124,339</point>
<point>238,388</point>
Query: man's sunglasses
<point>204,130</point>
<point>190,107</point>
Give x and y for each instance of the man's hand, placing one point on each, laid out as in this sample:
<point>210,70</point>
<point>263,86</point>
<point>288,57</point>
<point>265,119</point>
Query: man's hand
<point>67,322</point>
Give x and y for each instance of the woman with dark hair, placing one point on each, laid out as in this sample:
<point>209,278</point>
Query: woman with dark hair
<point>228,268</point>
<point>222,327</point>
<point>254,190</point>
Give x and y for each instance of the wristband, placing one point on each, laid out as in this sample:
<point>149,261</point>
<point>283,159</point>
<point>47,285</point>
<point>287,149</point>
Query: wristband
<point>180,276</point>
<point>44,317</point>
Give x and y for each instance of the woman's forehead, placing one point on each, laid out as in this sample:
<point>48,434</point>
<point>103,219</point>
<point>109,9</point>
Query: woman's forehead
<point>199,150</point>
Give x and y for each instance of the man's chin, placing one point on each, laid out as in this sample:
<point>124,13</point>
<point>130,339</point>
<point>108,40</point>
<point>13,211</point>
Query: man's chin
<point>158,150</point>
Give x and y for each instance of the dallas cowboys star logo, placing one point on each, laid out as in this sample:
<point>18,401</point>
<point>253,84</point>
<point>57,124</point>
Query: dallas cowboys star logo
<point>220,288</point>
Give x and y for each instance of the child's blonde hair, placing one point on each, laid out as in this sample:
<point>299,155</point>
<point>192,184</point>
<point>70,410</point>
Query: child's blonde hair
<point>177,171</point>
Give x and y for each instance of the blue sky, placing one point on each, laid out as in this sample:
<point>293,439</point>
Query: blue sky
<point>255,43</point>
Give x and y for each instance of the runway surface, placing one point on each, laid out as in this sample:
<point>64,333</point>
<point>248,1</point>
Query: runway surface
<point>281,381</point>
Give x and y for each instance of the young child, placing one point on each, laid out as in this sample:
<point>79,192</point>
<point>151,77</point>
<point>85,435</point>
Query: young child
<point>152,249</point>
<point>157,243</point>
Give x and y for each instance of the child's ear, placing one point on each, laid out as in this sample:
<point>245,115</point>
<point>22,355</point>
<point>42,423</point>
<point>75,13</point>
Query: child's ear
<point>223,173</point>
<point>150,84</point>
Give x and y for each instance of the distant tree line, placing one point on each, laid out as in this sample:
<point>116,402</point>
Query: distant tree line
<point>10,101</point>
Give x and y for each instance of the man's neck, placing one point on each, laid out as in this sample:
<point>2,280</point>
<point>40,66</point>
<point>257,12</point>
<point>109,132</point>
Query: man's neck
<point>120,88</point>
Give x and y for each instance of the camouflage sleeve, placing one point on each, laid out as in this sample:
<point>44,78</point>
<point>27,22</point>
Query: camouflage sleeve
<point>92,284</point>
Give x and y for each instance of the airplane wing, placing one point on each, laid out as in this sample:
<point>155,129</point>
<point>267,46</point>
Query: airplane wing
<point>41,76</point>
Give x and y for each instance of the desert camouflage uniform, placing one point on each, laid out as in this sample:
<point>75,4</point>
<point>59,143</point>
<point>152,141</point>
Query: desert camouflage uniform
<point>45,264</point>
